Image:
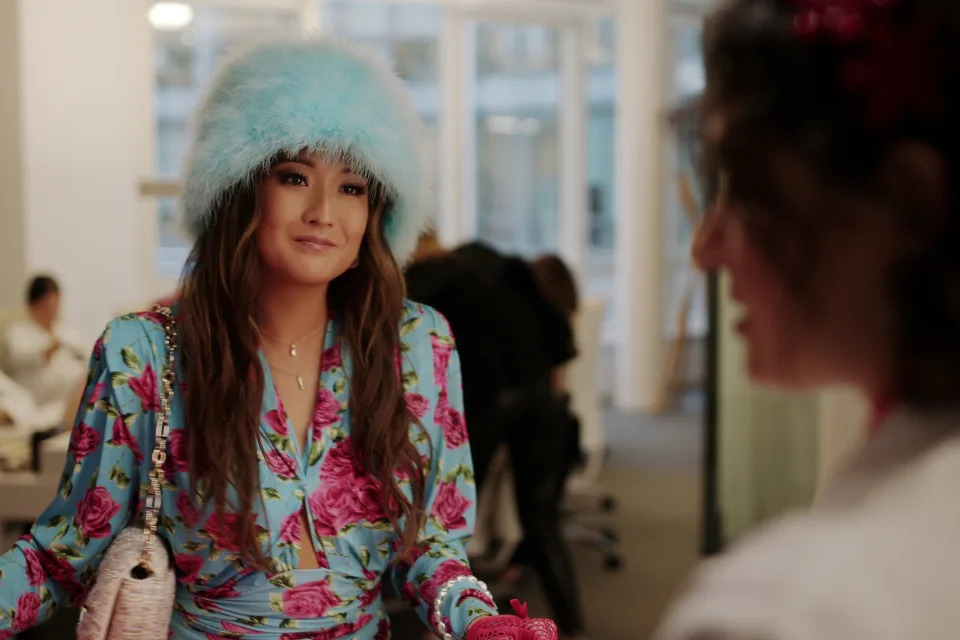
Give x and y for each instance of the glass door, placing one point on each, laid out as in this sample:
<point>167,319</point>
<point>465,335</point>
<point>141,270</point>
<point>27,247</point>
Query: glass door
<point>521,119</point>
<point>514,102</point>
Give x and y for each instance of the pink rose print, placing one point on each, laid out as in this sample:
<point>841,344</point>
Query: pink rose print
<point>441,360</point>
<point>281,464</point>
<point>98,347</point>
<point>187,511</point>
<point>401,473</point>
<point>290,529</point>
<point>206,604</point>
<point>331,358</point>
<point>327,411</point>
<point>145,386</point>
<point>452,422</point>
<point>188,566</point>
<point>383,630</point>
<point>176,452</point>
<point>398,363</point>
<point>477,595</point>
<point>417,405</point>
<point>445,572</point>
<point>341,463</point>
<point>223,592</point>
<point>335,505</point>
<point>98,392</point>
<point>28,608</point>
<point>309,600</point>
<point>35,574</point>
<point>415,554</point>
<point>95,511</point>
<point>83,441</point>
<point>332,509</point>
<point>367,598</point>
<point>277,421</point>
<point>63,573</point>
<point>339,631</point>
<point>123,438</point>
<point>450,506</point>
<point>7,634</point>
<point>409,594</point>
<point>224,530</point>
<point>235,628</point>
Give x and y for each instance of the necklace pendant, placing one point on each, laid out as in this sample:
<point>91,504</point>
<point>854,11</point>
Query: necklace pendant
<point>300,382</point>
<point>293,351</point>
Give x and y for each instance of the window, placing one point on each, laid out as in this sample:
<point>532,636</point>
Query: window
<point>516,118</point>
<point>184,60</point>
<point>599,279</point>
<point>408,35</point>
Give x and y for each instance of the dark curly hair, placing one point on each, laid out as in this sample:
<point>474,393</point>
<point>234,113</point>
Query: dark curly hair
<point>868,103</point>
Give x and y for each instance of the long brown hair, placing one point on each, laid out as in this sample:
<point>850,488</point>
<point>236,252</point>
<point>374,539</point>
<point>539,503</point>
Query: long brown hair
<point>220,345</point>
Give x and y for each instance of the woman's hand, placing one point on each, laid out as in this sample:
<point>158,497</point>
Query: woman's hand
<point>517,627</point>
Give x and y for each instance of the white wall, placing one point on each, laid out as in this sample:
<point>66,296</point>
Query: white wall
<point>84,77</point>
<point>12,267</point>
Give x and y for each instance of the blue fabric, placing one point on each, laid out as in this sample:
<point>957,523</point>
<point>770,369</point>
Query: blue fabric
<point>218,596</point>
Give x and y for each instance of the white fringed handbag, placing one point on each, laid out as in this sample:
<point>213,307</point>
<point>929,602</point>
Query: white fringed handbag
<point>133,596</point>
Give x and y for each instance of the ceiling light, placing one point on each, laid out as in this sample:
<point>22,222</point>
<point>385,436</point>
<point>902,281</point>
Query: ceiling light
<point>170,16</point>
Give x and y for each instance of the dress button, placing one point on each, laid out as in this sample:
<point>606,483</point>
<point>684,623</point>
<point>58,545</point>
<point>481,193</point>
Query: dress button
<point>298,494</point>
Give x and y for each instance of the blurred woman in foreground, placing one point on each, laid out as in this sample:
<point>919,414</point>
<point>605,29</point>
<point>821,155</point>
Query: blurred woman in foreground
<point>834,129</point>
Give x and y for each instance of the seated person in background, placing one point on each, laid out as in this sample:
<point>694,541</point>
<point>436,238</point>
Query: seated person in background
<point>16,404</point>
<point>42,357</point>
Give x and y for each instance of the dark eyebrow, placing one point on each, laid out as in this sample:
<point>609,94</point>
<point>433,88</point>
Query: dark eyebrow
<point>305,161</point>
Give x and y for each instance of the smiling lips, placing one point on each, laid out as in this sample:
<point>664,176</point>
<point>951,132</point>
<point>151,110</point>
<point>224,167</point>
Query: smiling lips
<point>315,244</point>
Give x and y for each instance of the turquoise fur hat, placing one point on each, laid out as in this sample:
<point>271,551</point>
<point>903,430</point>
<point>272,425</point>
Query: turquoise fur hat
<point>314,93</point>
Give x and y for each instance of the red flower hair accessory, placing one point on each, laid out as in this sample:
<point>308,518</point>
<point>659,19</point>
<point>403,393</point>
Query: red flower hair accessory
<point>893,64</point>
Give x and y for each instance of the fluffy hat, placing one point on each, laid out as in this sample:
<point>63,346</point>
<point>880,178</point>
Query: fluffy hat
<point>314,93</point>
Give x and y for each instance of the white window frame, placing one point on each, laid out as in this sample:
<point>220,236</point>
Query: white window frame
<point>458,218</point>
<point>152,188</point>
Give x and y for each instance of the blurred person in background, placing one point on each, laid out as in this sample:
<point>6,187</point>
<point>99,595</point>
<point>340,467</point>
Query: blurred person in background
<point>43,356</point>
<point>317,447</point>
<point>834,131</point>
<point>558,286</point>
<point>514,336</point>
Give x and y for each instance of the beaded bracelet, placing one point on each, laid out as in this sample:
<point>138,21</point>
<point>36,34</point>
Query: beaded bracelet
<point>442,595</point>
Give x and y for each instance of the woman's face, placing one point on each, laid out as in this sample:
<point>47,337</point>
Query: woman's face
<point>838,330</point>
<point>314,216</point>
<point>769,323</point>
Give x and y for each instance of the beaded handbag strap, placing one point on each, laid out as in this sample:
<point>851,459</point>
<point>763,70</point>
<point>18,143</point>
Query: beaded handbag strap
<point>159,457</point>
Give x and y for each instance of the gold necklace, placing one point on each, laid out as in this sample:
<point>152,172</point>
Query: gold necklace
<point>292,345</point>
<point>297,376</point>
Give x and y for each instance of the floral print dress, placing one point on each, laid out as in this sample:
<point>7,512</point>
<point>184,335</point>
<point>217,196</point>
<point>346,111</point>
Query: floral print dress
<point>217,595</point>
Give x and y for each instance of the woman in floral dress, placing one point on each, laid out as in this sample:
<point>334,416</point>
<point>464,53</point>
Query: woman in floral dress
<point>317,442</point>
